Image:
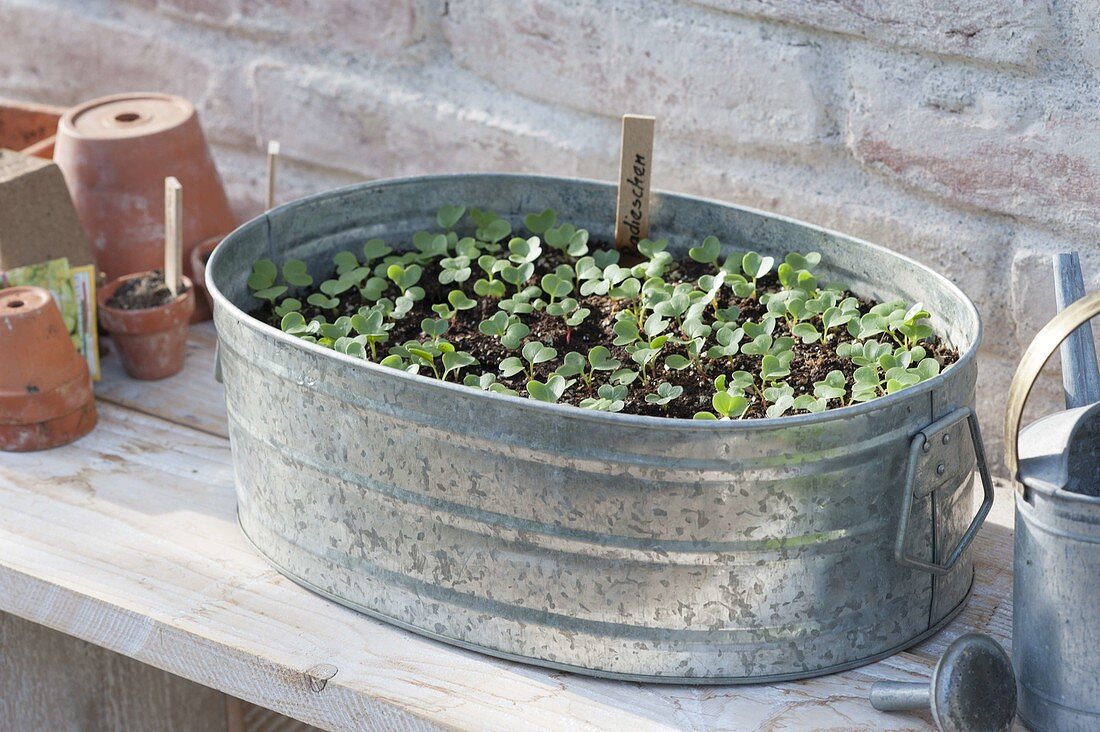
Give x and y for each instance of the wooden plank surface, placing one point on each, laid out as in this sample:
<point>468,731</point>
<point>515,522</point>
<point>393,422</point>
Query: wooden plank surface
<point>128,539</point>
<point>52,681</point>
<point>191,398</point>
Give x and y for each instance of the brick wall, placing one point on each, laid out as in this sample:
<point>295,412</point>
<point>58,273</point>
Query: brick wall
<point>962,132</point>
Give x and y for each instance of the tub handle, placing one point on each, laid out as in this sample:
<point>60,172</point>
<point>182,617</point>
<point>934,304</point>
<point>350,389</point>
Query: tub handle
<point>218,361</point>
<point>1042,347</point>
<point>916,449</point>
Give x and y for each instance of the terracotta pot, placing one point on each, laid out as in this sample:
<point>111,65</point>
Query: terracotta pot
<point>45,390</point>
<point>29,128</point>
<point>152,342</point>
<point>115,153</point>
<point>204,307</point>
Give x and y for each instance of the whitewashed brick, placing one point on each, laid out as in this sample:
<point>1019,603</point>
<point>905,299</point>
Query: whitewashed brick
<point>1004,32</point>
<point>371,27</point>
<point>382,124</point>
<point>715,77</point>
<point>64,57</point>
<point>979,139</point>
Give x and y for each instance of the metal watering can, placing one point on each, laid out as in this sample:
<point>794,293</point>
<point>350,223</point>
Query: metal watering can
<point>1055,463</point>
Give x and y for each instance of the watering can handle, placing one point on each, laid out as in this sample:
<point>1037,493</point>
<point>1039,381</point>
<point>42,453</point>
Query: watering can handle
<point>1042,347</point>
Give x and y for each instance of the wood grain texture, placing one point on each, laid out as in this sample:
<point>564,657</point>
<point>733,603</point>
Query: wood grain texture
<point>51,681</point>
<point>191,398</point>
<point>128,539</point>
<point>635,177</point>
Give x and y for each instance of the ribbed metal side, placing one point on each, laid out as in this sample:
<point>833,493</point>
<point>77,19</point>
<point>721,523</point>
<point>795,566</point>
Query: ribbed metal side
<point>621,545</point>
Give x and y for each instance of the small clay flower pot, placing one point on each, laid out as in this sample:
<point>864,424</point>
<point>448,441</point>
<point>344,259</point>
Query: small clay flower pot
<point>115,153</point>
<point>152,342</point>
<point>46,395</point>
<point>204,307</point>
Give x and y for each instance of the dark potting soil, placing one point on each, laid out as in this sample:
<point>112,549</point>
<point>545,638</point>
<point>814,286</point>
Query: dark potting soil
<point>812,362</point>
<point>147,291</point>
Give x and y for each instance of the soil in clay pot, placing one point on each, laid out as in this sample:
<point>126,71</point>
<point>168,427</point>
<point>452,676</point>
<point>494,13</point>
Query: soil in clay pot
<point>545,313</point>
<point>147,290</point>
<point>147,323</point>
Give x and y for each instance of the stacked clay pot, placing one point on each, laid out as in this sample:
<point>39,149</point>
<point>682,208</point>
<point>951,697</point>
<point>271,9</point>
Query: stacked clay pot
<point>152,342</point>
<point>46,395</point>
<point>199,255</point>
<point>115,153</point>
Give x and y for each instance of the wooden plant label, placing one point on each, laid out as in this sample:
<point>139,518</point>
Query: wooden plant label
<point>272,159</point>
<point>173,234</point>
<point>635,172</point>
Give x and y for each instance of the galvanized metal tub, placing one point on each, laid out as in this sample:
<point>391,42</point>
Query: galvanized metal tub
<point>1055,613</point>
<point>617,545</point>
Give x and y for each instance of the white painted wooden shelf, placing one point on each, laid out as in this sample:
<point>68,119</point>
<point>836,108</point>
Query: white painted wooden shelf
<point>128,539</point>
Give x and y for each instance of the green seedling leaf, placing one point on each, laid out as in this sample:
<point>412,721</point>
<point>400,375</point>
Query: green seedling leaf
<point>345,262</point>
<point>511,366</point>
<point>624,377</point>
<point>550,391</point>
<point>536,353</point>
<point>833,386</point>
<point>572,365</point>
<point>665,393</point>
<point>772,369</point>
<point>707,252</point>
<point>321,300</point>
<point>434,328</point>
<point>271,293</point>
<point>809,404</point>
<point>493,231</point>
<point>729,406</point>
<point>455,269</point>
<point>288,305</point>
<point>780,407</point>
<point>610,399</point>
<point>807,332</point>
<point>517,275</point>
<point>455,361</point>
<point>755,266</point>
<point>488,382</point>
<point>295,273</point>
<point>404,277</point>
<point>540,222</point>
<point>332,288</point>
<point>263,275</point>
<point>555,286</point>
<point>650,248</point>
<point>522,250</point>
<point>870,325</point>
<point>375,249</point>
<point>459,300</point>
<point>803,261</point>
<point>628,289</point>
<point>448,215</point>
<point>485,288</point>
<point>600,359</point>
<point>431,245</point>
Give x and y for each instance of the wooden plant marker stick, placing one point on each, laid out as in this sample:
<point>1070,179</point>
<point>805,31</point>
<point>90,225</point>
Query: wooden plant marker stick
<point>272,158</point>
<point>173,234</point>
<point>635,172</point>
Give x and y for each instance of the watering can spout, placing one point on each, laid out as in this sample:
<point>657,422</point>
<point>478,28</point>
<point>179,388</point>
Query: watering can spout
<point>1080,375</point>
